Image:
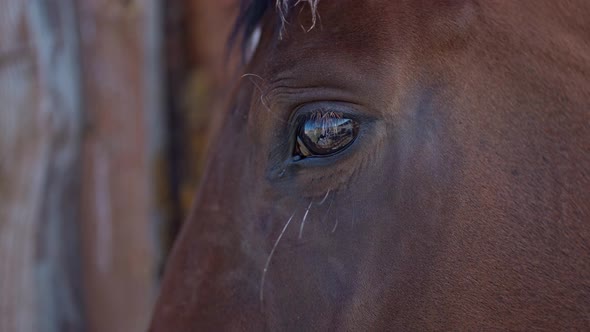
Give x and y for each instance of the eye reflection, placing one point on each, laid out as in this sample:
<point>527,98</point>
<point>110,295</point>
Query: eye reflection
<point>325,133</point>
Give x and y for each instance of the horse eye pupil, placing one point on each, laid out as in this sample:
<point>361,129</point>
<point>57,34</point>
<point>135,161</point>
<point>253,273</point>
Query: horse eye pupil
<point>325,134</point>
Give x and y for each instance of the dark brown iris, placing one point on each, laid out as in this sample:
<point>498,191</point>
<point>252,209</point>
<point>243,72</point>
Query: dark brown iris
<point>325,134</point>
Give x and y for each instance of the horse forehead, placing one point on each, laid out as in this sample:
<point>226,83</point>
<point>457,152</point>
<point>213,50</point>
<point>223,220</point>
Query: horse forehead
<point>369,28</point>
<point>349,25</point>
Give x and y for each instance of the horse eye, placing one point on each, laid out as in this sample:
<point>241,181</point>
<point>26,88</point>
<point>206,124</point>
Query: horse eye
<point>323,134</point>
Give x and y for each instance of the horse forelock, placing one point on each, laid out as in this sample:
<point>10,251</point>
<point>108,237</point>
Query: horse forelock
<point>283,8</point>
<point>252,12</point>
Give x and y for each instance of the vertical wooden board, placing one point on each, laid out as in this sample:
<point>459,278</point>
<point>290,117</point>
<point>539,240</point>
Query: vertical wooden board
<point>119,251</point>
<point>21,174</point>
<point>40,122</point>
<point>40,143</point>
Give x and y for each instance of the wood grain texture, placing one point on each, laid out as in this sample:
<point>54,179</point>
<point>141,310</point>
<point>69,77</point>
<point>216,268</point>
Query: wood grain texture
<point>79,137</point>
<point>40,128</point>
<point>119,251</point>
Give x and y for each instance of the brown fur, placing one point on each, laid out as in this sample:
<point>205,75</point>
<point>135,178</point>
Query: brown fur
<point>463,205</point>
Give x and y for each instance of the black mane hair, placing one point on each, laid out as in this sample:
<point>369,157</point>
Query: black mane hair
<point>249,16</point>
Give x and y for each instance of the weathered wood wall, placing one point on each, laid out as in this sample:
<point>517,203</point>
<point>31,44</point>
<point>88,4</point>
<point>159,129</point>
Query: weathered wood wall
<point>103,126</point>
<point>79,139</point>
<point>40,130</point>
<point>120,147</point>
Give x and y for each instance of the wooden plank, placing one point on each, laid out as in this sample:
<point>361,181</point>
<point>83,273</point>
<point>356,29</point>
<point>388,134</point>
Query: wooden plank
<point>40,123</point>
<point>119,247</point>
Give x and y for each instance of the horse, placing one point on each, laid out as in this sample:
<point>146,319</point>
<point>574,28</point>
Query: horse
<point>395,166</point>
